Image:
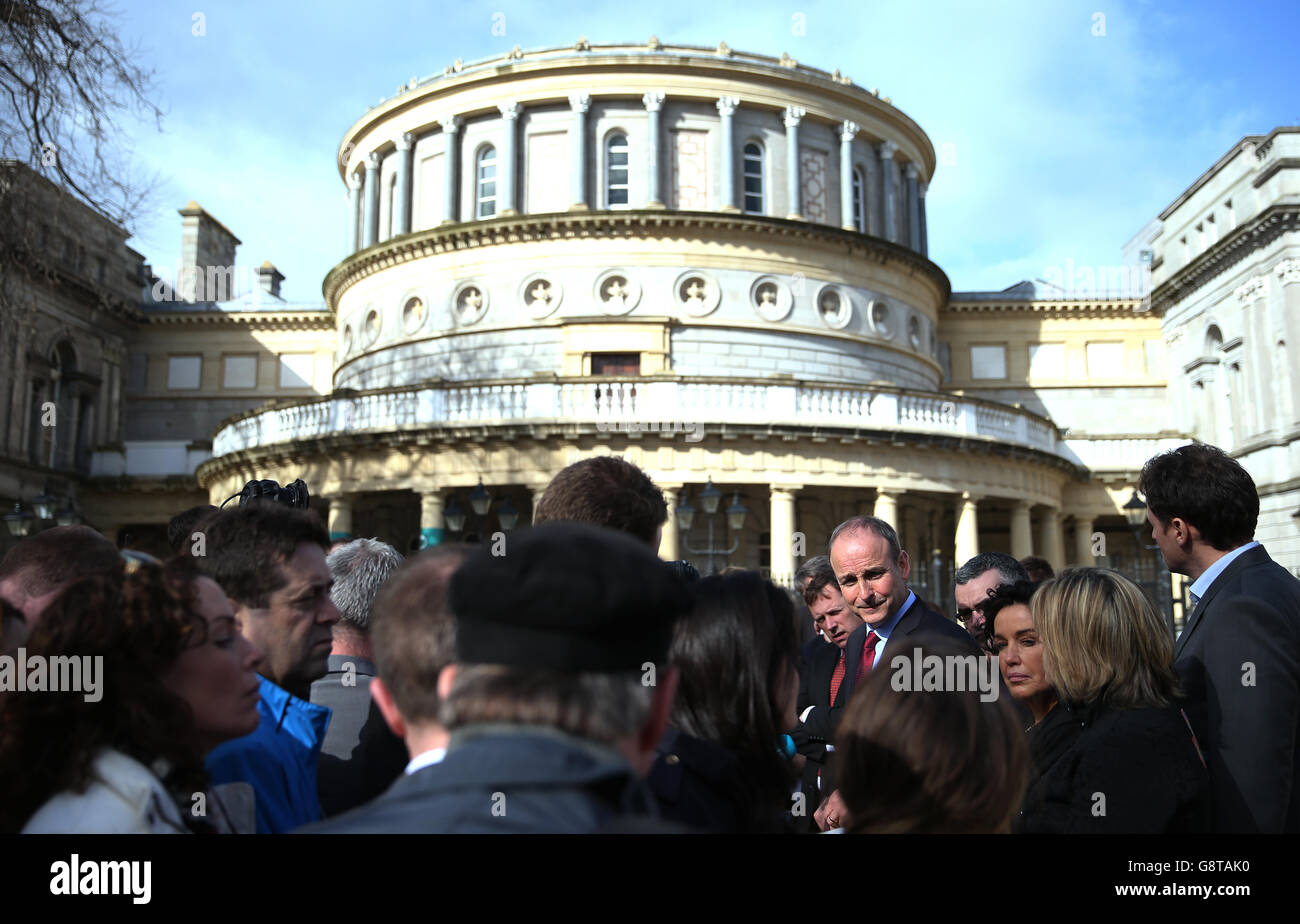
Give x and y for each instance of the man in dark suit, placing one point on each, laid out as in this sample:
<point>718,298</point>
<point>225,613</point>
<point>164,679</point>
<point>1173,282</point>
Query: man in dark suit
<point>872,570</point>
<point>1239,653</point>
<point>822,673</point>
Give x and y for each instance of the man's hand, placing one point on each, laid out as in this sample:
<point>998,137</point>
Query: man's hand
<point>831,813</point>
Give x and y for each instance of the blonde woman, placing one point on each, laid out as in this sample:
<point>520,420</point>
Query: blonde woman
<point>1135,767</point>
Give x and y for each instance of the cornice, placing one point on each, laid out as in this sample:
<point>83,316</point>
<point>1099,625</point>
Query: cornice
<point>1259,232</point>
<point>566,226</point>
<point>279,320</point>
<point>1098,308</point>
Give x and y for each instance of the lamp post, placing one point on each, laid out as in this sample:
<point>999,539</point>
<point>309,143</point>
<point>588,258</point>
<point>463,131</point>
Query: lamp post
<point>1135,511</point>
<point>710,497</point>
<point>44,507</point>
<point>480,502</point>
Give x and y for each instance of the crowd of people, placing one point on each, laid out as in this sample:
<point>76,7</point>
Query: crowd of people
<point>264,680</point>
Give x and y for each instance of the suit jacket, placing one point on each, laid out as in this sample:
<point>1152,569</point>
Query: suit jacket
<point>916,621</point>
<point>815,690</point>
<point>511,779</point>
<point>1239,661</point>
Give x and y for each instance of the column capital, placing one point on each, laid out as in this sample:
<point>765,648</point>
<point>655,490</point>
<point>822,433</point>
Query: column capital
<point>727,105</point>
<point>372,161</point>
<point>450,123</point>
<point>793,115</point>
<point>783,489</point>
<point>354,180</point>
<point>889,492</point>
<point>404,141</point>
<point>910,171</point>
<point>509,111</point>
<point>653,100</point>
<point>1021,504</point>
<point>970,497</point>
<point>848,130</point>
<point>887,150</point>
<point>579,102</point>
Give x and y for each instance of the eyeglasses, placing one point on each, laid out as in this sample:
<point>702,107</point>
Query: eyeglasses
<point>965,613</point>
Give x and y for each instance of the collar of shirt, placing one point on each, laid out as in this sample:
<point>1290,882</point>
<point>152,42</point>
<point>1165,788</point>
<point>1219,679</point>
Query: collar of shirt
<point>427,759</point>
<point>305,721</point>
<point>888,628</point>
<point>1202,583</point>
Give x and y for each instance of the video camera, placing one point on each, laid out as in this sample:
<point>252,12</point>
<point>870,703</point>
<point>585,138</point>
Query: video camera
<point>293,495</point>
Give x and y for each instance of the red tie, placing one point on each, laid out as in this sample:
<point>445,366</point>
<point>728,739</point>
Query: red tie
<point>837,677</point>
<point>868,657</point>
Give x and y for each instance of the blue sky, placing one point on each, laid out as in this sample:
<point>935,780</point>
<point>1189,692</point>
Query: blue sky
<point>1060,143</point>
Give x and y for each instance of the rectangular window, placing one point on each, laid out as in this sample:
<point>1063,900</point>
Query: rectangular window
<point>184,372</point>
<point>1105,360</point>
<point>239,372</point>
<point>753,179</point>
<point>487,183</point>
<point>988,362</point>
<point>1047,360</point>
<point>615,363</point>
<point>296,370</point>
<point>616,171</point>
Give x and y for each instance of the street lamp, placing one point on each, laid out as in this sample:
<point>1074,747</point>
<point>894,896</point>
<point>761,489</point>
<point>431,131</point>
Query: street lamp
<point>710,496</point>
<point>480,502</point>
<point>19,522</point>
<point>1135,511</point>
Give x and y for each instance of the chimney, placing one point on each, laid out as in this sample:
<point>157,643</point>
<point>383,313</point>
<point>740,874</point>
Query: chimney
<point>269,278</point>
<point>207,257</point>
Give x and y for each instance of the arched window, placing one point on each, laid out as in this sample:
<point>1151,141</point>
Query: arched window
<point>859,201</point>
<point>754,178</point>
<point>485,193</point>
<point>616,171</point>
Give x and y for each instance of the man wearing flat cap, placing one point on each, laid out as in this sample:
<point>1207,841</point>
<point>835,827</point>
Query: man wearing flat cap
<point>559,694</point>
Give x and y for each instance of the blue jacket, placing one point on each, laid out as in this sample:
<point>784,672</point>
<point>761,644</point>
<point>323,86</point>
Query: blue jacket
<point>279,760</point>
<point>511,779</point>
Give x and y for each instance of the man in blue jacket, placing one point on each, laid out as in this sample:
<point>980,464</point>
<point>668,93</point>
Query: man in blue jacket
<point>270,561</point>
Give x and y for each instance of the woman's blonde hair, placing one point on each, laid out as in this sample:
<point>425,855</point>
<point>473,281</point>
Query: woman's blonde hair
<point>1104,640</point>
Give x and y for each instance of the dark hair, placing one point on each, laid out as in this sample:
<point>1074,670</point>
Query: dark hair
<point>1207,488</point>
<point>413,631</point>
<point>181,526</point>
<point>1009,570</point>
<point>872,525</point>
<point>1038,569</point>
<point>1005,595</point>
<point>56,557</point>
<point>814,576</point>
<point>928,761</point>
<point>139,623</point>
<point>736,651</point>
<point>605,491</point>
<point>245,547</point>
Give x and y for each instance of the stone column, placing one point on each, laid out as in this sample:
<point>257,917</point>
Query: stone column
<point>537,492</point>
<point>507,164</point>
<point>402,191</point>
<point>847,215</point>
<point>886,507</point>
<point>354,211</point>
<point>340,518</point>
<point>579,103</point>
<point>925,239</point>
<point>727,148</point>
<point>450,162</point>
<point>432,524</point>
<point>1053,541</point>
<point>670,545</point>
<point>1022,543</point>
<point>372,202</point>
<point>886,151</point>
<point>1083,556</point>
<point>654,101</point>
<point>913,209</point>
<point>793,115</point>
<point>782,526</point>
<point>968,536</point>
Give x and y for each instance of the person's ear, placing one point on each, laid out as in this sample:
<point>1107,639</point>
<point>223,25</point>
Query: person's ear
<point>661,707</point>
<point>383,698</point>
<point>446,680</point>
<point>904,564</point>
<point>1183,532</point>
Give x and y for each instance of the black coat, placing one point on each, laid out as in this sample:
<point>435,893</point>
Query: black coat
<point>815,690</point>
<point>1130,771</point>
<point>706,787</point>
<point>1048,741</point>
<point>1239,661</point>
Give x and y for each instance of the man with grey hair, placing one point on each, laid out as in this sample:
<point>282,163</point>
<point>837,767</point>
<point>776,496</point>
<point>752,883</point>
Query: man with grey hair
<point>976,581</point>
<point>359,568</point>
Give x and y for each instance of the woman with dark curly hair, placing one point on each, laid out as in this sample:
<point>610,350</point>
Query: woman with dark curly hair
<point>719,766</point>
<point>176,680</point>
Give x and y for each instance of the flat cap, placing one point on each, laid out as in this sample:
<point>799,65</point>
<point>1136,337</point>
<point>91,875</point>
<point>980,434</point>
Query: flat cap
<point>566,597</point>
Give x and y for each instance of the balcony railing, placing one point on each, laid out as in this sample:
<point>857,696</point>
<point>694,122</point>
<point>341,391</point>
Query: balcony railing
<point>631,404</point>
